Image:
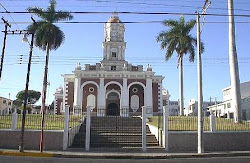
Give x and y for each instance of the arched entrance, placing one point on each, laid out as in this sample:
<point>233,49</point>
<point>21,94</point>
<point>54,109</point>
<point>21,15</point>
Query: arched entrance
<point>113,103</point>
<point>113,109</point>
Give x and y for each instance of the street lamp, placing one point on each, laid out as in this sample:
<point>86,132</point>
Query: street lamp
<point>21,147</point>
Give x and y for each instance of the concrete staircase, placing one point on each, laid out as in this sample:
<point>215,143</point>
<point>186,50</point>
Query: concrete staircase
<point>114,132</point>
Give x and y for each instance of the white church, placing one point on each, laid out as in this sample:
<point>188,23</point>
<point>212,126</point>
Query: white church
<point>113,86</point>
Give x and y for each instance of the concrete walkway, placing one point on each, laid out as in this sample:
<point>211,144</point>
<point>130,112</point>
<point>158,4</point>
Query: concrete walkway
<point>134,154</point>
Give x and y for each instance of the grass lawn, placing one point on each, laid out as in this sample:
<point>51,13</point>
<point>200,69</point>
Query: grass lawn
<point>184,123</point>
<point>33,121</point>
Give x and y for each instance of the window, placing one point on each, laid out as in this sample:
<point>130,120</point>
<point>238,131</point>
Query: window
<point>113,54</point>
<point>4,101</point>
<point>113,68</point>
<point>134,90</point>
<point>228,105</point>
<point>91,89</point>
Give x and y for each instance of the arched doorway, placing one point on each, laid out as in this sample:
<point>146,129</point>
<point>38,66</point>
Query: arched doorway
<point>113,103</point>
<point>113,109</point>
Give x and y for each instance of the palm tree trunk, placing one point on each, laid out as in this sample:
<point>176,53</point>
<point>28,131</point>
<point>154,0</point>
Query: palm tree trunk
<point>44,90</point>
<point>181,103</point>
<point>234,69</point>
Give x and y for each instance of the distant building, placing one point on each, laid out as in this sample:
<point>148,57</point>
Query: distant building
<point>224,108</point>
<point>173,106</point>
<point>192,108</point>
<point>5,106</point>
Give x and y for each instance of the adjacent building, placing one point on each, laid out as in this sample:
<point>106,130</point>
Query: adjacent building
<point>224,108</point>
<point>173,106</point>
<point>5,106</point>
<point>113,86</point>
<point>192,108</point>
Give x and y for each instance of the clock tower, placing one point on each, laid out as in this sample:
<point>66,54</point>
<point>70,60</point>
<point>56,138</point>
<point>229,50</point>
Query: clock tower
<point>114,45</point>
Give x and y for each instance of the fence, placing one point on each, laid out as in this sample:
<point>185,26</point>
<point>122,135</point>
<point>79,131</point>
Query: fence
<point>33,121</point>
<point>5,121</point>
<point>189,123</point>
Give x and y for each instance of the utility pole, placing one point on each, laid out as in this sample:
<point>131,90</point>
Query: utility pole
<point>233,63</point>
<point>4,42</point>
<point>215,106</point>
<point>199,76</point>
<point>200,94</point>
<point>21,148</point>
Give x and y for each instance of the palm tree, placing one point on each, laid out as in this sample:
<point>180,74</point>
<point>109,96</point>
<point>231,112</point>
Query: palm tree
<point>47,37</point>
<point>233,64</point>
<point>179,39</point>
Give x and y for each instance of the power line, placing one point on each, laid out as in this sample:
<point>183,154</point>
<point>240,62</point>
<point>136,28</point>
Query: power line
<point>137,13</point>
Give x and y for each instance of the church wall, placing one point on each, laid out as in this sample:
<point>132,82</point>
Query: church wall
<point>85,95</point>
<point>94,80</point>
<point>70,95</point>
<point>155,97</point>
<point>114,86</point>
<point>58,106</point>
<point>140,94</point>
<point>143,81</point>
<point>109,80</point>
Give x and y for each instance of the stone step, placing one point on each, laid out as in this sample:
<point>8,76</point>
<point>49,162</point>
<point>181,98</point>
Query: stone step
<point>117,132</point>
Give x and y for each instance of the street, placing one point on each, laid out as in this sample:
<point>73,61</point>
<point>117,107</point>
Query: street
<point>14,159</point>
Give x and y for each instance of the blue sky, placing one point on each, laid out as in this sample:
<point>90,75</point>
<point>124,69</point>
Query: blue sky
<point>83,44</point>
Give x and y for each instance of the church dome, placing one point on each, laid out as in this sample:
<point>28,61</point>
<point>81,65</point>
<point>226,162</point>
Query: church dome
<point>114,19</point>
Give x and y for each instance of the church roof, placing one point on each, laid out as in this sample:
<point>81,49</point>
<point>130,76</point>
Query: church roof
<point>114,19</point>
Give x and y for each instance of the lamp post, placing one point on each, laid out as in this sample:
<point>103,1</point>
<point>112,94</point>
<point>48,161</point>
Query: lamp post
<point>199,76</point>
<point>21,148</point>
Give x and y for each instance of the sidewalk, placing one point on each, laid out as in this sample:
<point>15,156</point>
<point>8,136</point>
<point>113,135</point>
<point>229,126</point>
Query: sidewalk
<point>80,153</point>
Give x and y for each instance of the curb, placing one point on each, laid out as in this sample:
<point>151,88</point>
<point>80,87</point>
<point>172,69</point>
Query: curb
<point>32,154</point>
<point>124,156</point>
<point>166,156</point>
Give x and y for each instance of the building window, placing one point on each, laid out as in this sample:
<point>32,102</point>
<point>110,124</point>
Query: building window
<point>4,101</point>
<point>113,54</point>
<point>229,105</point>
<point>113,68</point>
<point>91,89</point>
<point>134,90</point>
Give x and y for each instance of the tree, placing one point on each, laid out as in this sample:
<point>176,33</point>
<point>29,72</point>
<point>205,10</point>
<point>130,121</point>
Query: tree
<point>179,39</point>
<point>47,37</point>
<point>33,96</point>
<point>233,64</point>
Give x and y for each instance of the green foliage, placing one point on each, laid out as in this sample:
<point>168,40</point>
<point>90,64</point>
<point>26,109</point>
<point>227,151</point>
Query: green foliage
<point>48,35</point>
<point>52,106</point>
<point>178,38</point>
<point>32,98</point>
<point>28,108</point>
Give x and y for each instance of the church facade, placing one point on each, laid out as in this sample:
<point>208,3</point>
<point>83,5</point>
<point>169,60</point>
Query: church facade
<point>113,86</point>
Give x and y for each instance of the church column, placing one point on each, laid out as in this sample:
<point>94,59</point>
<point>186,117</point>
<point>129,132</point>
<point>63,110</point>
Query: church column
<point>124,109</point>
<point>119,53</point>
<point>77,96</point>
<point>101,99</point>
<point>160,100</point>
<point>108,52</point>
<point>104,50</point>
<point>148,98</point>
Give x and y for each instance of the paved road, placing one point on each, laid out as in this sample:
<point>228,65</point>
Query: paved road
<point>16,159</point>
